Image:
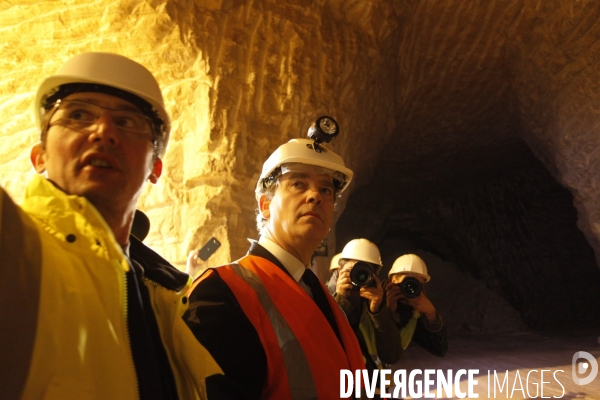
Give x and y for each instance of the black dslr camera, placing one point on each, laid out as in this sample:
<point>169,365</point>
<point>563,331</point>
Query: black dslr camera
<point>410,287</point>
<point>362,275</point>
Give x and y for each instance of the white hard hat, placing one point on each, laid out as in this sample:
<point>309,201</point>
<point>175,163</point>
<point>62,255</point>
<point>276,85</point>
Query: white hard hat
<point>301,151</point>
<point>335,262</point>
<point>362,250</point>
<point>111,70</point>
<point>410,263</point>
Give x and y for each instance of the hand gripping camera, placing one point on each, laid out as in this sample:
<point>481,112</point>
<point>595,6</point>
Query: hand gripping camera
<point>362,275</point>
<point>410,287</point>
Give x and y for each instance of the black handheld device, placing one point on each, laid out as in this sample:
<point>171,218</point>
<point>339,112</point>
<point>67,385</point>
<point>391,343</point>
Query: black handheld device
<point>208,249</point>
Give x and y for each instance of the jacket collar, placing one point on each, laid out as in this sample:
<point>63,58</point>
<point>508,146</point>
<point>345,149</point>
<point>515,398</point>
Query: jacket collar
<point>259,251</point>
<point>294,266</point>
<point>63,213</point>
<point>69,218</point>
<point>155,267</point>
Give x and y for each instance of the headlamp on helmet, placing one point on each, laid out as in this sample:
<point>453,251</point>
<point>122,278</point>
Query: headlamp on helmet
<point>306,154</point>
<point>324,129</point>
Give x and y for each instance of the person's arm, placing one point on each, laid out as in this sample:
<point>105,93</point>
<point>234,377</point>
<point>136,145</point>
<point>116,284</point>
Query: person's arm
<point>430,332</point>
<point>386,336</point>
<point>386,331</point>
<point>218,322</point>
<point>349,302</point>
<point>432,335</point>
<point>20,280</point>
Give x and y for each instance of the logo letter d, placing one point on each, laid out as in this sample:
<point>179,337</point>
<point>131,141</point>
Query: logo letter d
<point>593,363</point>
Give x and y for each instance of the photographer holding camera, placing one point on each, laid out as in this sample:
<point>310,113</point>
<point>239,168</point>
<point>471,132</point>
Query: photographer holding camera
<point>360,294</point>
<point>413,312</point>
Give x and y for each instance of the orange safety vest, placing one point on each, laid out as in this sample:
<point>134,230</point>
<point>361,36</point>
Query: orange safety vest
<point>304,355</point>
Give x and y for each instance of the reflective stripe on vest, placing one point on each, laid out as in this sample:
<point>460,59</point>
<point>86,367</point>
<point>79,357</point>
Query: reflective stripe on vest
<point>296,365</point>
<point>304,355</point>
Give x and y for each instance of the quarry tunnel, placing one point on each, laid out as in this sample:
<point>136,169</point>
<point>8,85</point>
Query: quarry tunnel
<point>472,128</point>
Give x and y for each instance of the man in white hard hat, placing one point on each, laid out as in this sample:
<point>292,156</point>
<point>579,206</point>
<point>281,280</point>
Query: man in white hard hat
<point>81,296</point>
<point>266,318</point>
<point>360,295</point>
<point>413,312</point>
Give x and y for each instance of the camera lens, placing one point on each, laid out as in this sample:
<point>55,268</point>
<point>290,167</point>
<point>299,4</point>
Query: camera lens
<point>361,274</point>
<point>410,287</point>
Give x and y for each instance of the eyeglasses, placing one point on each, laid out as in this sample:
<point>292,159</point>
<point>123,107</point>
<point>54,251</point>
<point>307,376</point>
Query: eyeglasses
<point>80,115</point>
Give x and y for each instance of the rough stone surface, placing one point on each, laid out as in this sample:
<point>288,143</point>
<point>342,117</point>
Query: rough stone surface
<point>466,304</point>
<point>471,126</point>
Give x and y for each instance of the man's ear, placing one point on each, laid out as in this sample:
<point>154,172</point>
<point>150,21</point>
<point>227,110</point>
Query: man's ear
<point>156,171</point>
<point>38,158</point>
<point>263,205</point>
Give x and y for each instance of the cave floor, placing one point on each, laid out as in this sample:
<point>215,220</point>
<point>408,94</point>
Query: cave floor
<point>521,355</point>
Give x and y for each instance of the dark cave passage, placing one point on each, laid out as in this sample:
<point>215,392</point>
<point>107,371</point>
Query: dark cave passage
<point>504,250</point>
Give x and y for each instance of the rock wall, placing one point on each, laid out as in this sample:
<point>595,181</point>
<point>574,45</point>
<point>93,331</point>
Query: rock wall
<point>437,101</point>
<point>501,253</point>
<point>239,79</point>
<point>466,304</point>
<point>555,72</point>
<point>38,37</point>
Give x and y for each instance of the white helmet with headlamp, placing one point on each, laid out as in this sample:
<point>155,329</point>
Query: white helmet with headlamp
<point>307,152</point>
<point>107,70</point>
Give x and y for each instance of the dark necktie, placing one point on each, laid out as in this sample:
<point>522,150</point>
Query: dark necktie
<point>319,296</point>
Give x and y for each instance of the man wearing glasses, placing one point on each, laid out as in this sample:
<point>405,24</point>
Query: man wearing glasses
<point>87,310</point>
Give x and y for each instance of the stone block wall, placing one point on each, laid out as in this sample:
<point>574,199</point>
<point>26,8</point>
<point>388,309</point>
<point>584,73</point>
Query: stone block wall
<point>239,79</point>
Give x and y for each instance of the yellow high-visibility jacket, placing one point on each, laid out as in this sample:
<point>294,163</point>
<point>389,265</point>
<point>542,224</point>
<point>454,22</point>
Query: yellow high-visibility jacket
<point>63,322</point>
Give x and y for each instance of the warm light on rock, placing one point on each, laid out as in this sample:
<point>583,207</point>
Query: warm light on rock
<point>472,128</point>
<point>234,89</point>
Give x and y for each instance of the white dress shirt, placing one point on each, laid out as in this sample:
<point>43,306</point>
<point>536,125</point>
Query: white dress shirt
<point>292,264</point>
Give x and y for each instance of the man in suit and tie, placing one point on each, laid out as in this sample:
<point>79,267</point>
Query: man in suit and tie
<point>266,318</point>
